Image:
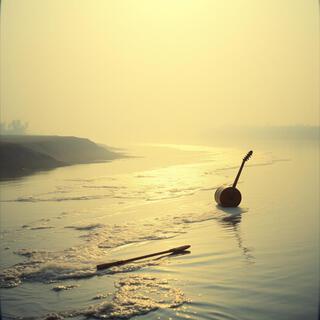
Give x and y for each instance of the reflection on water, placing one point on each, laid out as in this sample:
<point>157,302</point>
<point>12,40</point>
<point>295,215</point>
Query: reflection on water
<point>56,227</point>
<point>232,223</point>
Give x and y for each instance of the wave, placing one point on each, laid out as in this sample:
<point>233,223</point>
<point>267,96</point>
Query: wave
<point>73,198</point>
<point>58,199</point>
<point>57,271</point>
<point>80,261</point>
<point>103,187</point>
<point>90,226</point>
<point>64,287</point>
<point>135,295</point>
<point>41,227</point>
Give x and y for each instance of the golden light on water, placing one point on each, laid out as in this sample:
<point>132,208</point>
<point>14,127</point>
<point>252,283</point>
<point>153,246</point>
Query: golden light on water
<point>182,89</point>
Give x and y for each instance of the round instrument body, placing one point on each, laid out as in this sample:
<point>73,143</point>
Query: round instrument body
<point>227,196</point>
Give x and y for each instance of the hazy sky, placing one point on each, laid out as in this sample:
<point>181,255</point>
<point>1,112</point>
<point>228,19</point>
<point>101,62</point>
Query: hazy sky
<point>117,70</point>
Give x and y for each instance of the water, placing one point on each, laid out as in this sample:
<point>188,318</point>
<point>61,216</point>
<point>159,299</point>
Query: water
<point>258,261</point>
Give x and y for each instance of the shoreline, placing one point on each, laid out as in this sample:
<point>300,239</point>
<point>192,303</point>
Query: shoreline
<point>23,155</point>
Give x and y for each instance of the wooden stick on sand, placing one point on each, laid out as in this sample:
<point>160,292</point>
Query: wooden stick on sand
<point>121,262</point>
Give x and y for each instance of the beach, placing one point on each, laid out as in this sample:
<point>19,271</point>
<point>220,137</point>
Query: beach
<point>257,261</point>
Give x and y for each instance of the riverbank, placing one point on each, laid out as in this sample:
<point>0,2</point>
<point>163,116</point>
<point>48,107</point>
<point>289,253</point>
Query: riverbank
<point>27,154</point>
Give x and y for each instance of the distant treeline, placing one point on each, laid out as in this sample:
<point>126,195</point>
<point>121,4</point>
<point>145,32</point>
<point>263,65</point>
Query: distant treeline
<point>288,132</point>
<point>14,127</point>
<point>298,132</point>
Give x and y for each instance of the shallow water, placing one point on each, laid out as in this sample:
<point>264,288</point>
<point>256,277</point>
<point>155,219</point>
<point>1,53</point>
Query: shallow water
<point>259,261</point>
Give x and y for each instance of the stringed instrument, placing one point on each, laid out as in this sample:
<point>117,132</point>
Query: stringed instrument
<point>227,196</point>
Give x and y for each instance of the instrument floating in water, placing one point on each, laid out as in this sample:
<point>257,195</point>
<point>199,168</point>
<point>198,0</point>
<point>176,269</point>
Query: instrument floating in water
<point>122,262</point>
<point>227,196</point>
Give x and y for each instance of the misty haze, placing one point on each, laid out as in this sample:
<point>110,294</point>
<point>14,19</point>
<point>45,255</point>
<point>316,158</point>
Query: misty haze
<point>159,159</point>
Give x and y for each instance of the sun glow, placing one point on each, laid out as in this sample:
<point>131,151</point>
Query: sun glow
<point>158,70</point>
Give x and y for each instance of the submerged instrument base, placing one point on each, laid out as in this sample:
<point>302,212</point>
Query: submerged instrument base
<point>227,196</point>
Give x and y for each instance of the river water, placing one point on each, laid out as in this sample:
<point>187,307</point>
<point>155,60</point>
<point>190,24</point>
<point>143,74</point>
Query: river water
<point>258,261</point>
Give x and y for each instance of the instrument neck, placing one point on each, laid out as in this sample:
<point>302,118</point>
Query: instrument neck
<point>238,175</point>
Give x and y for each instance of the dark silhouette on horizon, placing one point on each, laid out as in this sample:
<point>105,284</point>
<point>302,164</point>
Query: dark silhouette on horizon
<point>15,127</point>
